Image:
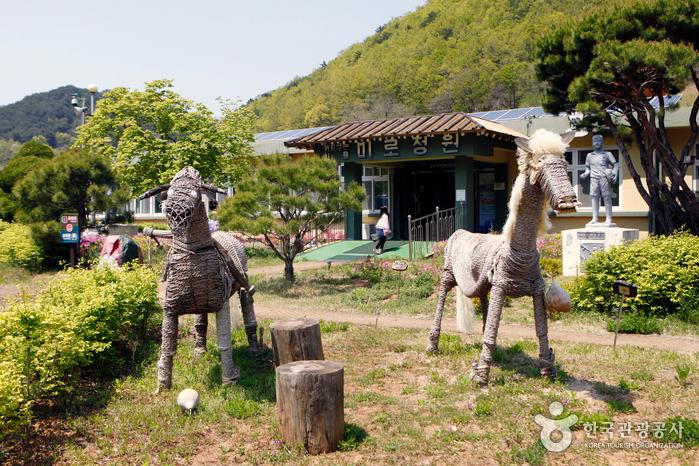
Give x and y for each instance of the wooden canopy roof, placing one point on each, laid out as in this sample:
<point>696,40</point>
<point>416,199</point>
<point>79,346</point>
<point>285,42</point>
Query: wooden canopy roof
<point>444,123</point>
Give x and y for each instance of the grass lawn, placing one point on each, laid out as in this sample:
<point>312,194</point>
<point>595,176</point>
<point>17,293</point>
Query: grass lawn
<point>401,406</point>
<point>343,288</point>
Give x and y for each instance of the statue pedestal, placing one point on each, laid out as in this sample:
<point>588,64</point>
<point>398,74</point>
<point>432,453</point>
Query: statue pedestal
<point>580,243</point>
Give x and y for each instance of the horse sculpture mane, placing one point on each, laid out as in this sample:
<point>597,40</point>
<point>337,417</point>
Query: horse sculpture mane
<point>543,143</point>
<point>508,264</point>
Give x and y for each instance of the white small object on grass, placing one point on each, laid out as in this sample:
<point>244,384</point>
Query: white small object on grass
<point>188,399</point>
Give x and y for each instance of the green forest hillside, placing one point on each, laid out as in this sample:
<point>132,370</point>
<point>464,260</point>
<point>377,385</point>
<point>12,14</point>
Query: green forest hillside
<point>46,114</point>
<point>449,55</point>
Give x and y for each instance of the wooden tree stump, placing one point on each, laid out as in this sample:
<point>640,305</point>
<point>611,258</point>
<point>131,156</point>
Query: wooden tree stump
<point>296,340</point>
<point>310,397</point>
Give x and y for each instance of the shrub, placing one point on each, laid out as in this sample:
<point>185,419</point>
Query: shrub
<point>259,252</point>
<point>371,271</point>
<point>46,234</point>
<point>18,248</point>
<point>551,265</point>
<point>634,323</point>
<point>664,268</point>
<point>91,246</point>
<point>83,318</point>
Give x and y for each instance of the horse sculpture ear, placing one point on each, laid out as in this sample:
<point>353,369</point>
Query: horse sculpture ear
<point>154,191</point>
<point>523,143</point>
<point>568,136</point>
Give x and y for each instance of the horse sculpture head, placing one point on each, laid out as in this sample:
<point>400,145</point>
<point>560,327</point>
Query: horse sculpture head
<point>182,198</point>
<point>541,157</point>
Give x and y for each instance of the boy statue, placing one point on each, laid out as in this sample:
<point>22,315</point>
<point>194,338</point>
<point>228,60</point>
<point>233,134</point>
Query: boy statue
<point>603,171</point>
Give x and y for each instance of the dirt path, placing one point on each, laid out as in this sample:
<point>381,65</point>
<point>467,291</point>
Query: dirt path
<point>507,331</point>
<point>30,287</point>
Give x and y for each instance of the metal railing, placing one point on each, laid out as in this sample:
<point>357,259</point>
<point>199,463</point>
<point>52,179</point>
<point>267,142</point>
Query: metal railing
<point>318,237</point>
<point>426,231</point>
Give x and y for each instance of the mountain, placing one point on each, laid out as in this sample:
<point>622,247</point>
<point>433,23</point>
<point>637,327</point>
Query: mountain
<point>48,114</point>
<point>448,55</point>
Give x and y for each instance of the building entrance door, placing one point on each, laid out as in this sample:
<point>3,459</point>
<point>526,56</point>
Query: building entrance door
<point>432,186</point>
<point>490,182</point>
<point>420,187</point>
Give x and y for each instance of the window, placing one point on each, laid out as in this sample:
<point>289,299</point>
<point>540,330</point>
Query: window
<point>221,197</point>
<point>145,205</point>
<point>377,185</point>
<point>157,205</point>
<point>576,166</point>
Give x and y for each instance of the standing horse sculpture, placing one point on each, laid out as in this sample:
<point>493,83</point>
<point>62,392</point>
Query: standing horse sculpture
<point>202,273</point>
<point>508,264</point>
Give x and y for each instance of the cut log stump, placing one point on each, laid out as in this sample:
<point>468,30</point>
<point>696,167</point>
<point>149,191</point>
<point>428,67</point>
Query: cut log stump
<point>310,397</point>
<point>296,340</point>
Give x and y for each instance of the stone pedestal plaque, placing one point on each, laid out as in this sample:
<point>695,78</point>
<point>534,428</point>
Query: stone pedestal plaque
<point>580,243</point>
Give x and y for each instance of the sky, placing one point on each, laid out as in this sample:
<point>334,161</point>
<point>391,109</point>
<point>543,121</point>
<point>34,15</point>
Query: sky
<point>210,48</point>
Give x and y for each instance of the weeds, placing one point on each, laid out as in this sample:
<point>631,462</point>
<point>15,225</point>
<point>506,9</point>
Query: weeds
<point>353,437</point>
<point>532,455</point>
<point>682,372</point>
<point>483,407</point>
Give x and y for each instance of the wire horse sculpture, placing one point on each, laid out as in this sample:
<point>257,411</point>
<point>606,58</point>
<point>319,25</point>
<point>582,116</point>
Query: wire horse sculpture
<point>508,264</point>
<point>202,272</point>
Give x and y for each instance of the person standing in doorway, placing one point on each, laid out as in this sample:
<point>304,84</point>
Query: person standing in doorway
<point>383,229</point>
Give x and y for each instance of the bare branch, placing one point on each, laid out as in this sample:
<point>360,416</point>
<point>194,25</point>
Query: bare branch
<point>273,247</point>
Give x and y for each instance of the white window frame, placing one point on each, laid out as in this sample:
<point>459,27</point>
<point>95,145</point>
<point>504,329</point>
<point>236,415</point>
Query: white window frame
<point>575,167</point>
<point>385,175</point>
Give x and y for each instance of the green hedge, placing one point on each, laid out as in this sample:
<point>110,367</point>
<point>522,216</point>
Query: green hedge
<point>83,318</point>
<point>18,248</point>
<point>665,269</point>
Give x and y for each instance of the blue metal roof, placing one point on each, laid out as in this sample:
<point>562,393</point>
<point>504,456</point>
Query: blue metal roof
<point>285,135</point>
<point>670,100</point>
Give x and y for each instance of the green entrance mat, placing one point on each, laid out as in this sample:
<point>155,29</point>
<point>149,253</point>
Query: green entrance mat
<point>356,250</point>
<point>368,248</point>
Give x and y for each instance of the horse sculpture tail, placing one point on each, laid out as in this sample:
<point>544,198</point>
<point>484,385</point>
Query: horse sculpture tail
<point>465,313</point>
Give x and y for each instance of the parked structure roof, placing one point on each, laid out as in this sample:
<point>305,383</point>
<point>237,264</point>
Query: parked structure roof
<point>443,123</point>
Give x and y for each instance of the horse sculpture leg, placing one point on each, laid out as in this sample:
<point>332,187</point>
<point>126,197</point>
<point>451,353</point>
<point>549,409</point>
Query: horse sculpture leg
<point>447,283</point>
<point>248,311</point>
<point>481,371</point>
<point>201,325</point>
<point>167,351</point>
<point>484,309</point>
<point>546,356</point>
<point>229,373</point>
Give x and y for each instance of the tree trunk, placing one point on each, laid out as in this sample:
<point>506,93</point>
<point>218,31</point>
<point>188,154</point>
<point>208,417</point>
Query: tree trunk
<point>310,398</point>
<point>289,270</point>
<point>669,208</point>
<point>296,340</point>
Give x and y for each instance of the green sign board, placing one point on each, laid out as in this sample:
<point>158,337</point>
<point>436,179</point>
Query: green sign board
<point>416,146</point>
